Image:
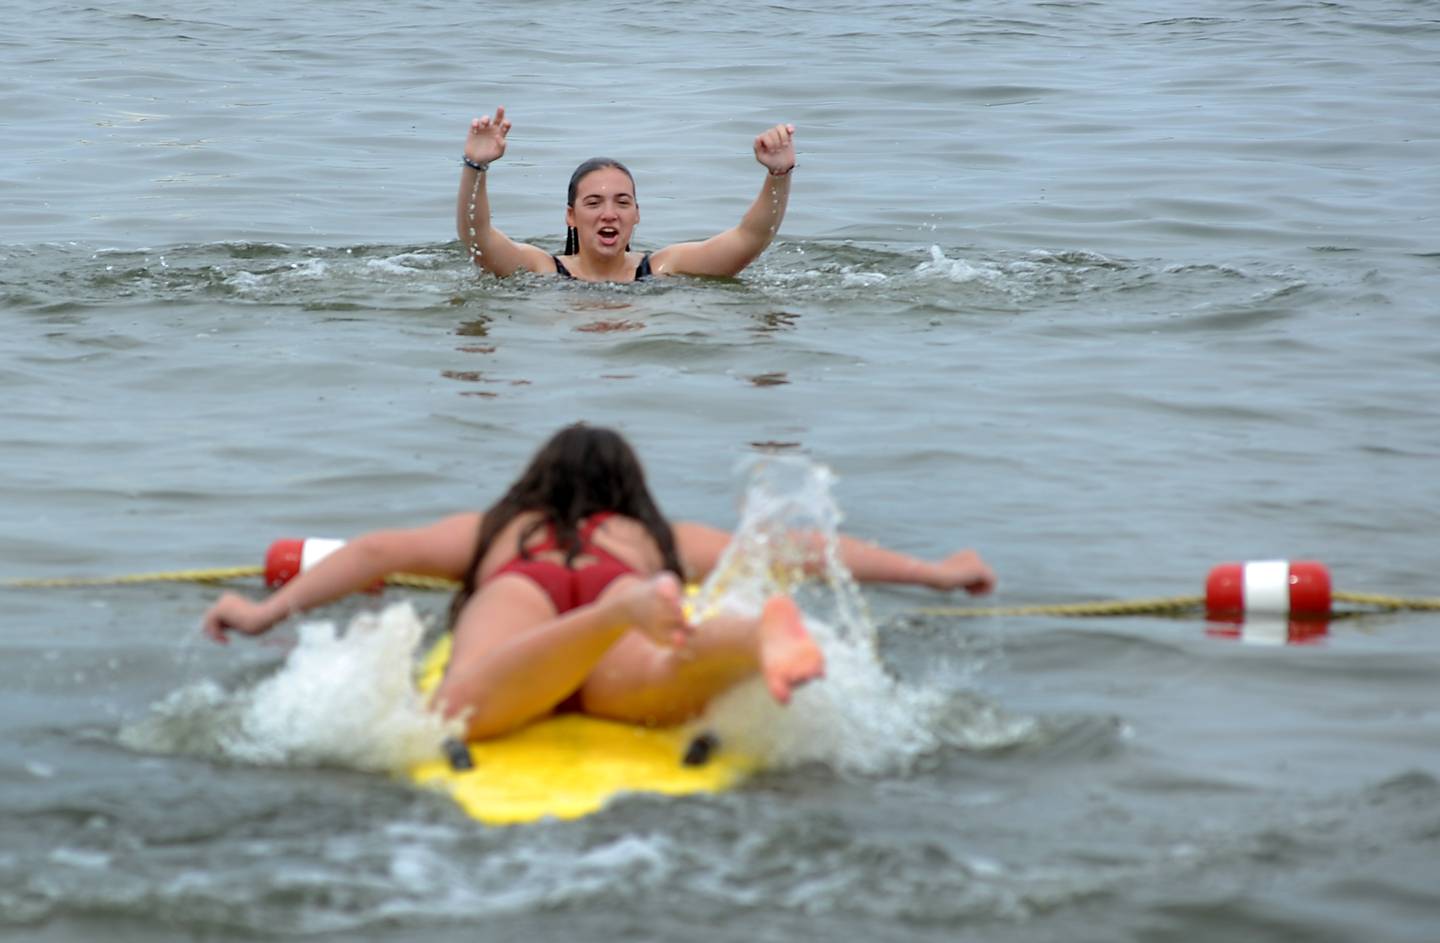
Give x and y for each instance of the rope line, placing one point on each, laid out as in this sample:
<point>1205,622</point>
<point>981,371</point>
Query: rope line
<point>221,575</point>
<point>1132,607</point>
<point>1166,605</point>
<point>1430,604</point>
<point>218,575</point>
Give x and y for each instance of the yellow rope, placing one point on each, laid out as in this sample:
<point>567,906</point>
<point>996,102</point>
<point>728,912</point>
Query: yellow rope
<point>1431,604</point>
<point>414,581</point>
<point>1132,607</point>
<point>174,576</point>
<point>1171,605</point>
<point>219,575</point>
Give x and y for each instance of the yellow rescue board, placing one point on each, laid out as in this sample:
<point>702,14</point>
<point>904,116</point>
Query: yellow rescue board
<point>570,765</point>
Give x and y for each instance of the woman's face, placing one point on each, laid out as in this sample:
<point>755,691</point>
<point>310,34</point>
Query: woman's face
<point>605,211</point>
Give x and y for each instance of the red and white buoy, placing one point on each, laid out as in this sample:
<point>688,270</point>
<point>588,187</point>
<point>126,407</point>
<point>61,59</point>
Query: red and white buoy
<point>288,558</point>
<point>1294,588</point>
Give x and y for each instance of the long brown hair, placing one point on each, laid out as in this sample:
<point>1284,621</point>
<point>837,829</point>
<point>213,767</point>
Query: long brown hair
<point>582,470</point>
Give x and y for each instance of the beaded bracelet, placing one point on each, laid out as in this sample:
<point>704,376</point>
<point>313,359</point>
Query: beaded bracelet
<point>783,173</point>
<point>474,165</point>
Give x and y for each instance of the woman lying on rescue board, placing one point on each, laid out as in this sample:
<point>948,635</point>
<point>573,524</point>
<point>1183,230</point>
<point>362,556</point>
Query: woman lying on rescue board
<point>601,212</point>
<point>570,597</point>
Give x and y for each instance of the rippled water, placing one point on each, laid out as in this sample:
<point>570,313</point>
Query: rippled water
<point>1113,292</point>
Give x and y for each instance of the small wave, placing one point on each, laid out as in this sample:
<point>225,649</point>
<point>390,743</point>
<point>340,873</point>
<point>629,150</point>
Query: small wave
<point>957,270</point>
<point>346,700</point>
<point>247,282</point>
<point>407,263</point>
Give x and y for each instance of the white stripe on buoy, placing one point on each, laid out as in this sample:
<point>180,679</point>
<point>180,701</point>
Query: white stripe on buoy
<point>1267,586</point>
<point>317,549</point>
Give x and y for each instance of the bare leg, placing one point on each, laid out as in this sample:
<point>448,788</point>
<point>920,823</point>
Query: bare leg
<point>642,682</point>
<point>515,659</point>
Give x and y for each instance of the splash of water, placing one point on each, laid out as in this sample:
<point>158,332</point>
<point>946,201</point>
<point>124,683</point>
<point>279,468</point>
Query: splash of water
<point>349,699</point>
<point>957,270</point>
<point>858,718</point>
<point>346,700</point>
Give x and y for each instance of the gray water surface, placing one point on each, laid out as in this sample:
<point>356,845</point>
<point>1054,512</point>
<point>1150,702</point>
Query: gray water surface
<point>1112,292</point>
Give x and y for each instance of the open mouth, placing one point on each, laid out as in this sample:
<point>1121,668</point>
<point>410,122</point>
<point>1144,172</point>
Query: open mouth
<point>609,235</point>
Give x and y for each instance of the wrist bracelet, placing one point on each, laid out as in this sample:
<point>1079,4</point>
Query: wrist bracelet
<point>783,173</point>
<point>474,165</point>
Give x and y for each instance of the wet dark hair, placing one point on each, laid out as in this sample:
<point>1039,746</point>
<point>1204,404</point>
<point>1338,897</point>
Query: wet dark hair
<point>582,470</point>
<point>572,238</point>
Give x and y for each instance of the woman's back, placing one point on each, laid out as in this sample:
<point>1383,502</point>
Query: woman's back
<point>621,538</point>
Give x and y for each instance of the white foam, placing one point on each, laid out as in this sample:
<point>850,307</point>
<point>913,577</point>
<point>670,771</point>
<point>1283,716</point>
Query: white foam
<point>853,279</point>
<point>405,263</point>
<point>343,699</point>
<point>956,270</point>
<point>858,718</point>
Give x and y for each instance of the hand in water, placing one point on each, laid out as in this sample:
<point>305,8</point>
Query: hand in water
<point>964,570</point>
<point>233,613</point>
<point>776,148</point>
<point>486,141</point>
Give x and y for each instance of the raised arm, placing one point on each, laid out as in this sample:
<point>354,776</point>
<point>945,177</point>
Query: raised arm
<point>701,547</point>
<point>487,246</point>
<point>441,549</point>
<point>730,251</point>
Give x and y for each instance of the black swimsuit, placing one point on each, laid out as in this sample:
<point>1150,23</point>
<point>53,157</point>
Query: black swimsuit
<point>641,271</point>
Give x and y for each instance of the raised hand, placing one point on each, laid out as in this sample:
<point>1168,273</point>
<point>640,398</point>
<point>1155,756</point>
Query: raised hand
<point>486,140</point>
<point>775,148</point>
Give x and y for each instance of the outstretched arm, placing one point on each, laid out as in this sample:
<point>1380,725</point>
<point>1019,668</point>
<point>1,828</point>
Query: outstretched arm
<point>871,563</point>
<point>732,250</point>
<point>701,547</point>
<point>487,246</point>
<point>442,549</point>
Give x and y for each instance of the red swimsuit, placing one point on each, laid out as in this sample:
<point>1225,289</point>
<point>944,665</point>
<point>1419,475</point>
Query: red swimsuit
<point>570,588</point>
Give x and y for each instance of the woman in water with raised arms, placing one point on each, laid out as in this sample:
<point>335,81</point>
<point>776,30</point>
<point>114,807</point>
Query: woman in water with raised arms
<point>602,211</point>
<point>570,597</point>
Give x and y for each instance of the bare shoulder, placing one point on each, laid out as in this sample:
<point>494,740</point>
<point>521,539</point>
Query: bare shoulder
<point>673,259</point>
<point>627,538</point>
<point>695,532</point>
<point>623,528</point>
<point>536,259</point>
<point>700,546</point>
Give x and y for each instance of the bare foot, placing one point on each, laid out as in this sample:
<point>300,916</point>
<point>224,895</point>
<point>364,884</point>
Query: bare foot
<point>789,657</point>
<point>652,607</point>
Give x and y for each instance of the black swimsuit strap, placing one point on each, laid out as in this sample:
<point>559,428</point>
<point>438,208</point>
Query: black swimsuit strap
<point>641,271</point>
